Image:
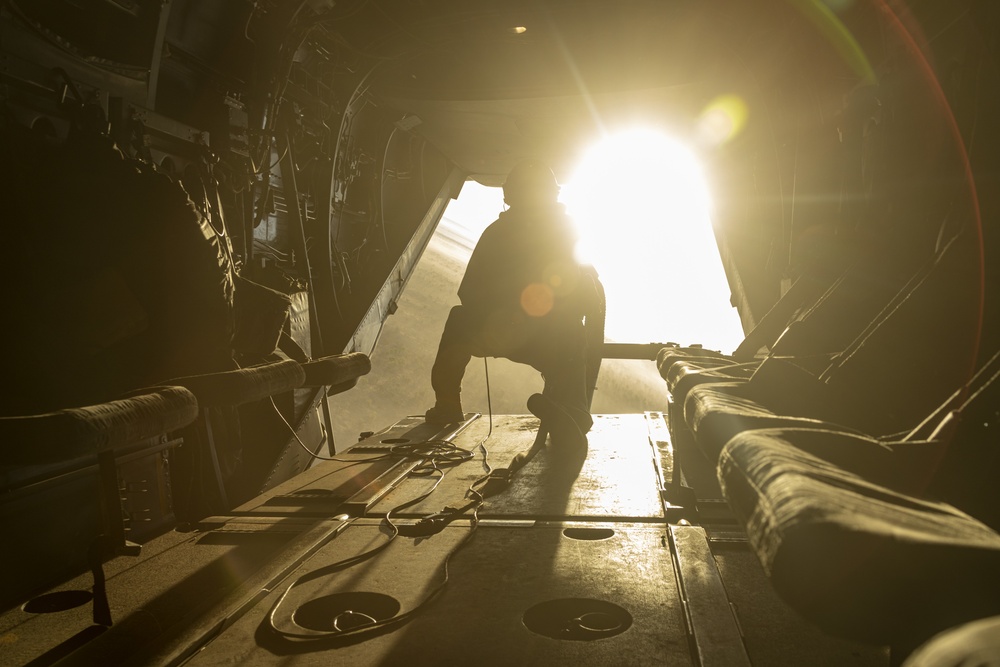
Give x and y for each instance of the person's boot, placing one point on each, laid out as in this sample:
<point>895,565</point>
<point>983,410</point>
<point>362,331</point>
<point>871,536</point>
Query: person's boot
<point>584,421</point>
<point>444,413</point>
<point>560,422</point>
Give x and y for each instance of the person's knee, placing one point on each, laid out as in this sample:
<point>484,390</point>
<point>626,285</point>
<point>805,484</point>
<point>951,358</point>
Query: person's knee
<point>464,331</point>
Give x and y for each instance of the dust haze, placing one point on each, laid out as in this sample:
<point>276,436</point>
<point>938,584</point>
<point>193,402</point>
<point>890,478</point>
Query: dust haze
<point>399,383</point>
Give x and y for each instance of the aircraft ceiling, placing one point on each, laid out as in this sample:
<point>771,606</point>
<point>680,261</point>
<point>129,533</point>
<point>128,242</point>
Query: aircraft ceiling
<point>846,119</point>
<point>488,95</point>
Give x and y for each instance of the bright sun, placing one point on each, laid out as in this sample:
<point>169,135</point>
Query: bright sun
<point>644,213</point>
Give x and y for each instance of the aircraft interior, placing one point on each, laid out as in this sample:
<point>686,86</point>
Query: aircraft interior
<point>211,208</point>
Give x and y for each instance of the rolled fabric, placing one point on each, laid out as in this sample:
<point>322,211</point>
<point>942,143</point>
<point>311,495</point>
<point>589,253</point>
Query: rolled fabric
<point>75,432</point>
<point>230,388</point>
<point>336,369</point>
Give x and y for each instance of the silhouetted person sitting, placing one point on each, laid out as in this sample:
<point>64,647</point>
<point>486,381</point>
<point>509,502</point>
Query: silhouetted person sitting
<point>524,297</point>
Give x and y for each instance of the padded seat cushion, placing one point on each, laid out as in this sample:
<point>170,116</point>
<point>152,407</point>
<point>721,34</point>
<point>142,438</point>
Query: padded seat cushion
<point>717,412</point>
<point>905,466</point>
<point>683,375</point>
<point>668,356</point>
<point>856,557</point>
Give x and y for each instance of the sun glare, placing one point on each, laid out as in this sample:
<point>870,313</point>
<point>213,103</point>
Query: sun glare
<point>643,209</point>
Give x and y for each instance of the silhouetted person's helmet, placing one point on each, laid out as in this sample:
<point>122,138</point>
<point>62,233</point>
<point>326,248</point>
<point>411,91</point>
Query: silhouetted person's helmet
<point>531,181</point>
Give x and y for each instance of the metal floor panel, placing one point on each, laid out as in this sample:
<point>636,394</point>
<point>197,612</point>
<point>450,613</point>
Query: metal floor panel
<point>322,490</point>
<point>599,539</point>
<point>618,480</point>
<point>498,574</point>
<point>167,592</point>
<point>774,633</point>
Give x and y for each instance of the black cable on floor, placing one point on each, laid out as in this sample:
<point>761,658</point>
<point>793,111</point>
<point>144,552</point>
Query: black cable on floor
<point>436,456</point>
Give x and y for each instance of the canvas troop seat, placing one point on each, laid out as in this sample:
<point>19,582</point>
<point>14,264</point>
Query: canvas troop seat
<point>815,319</point>
<point>858,558</point>
<point>894,373</point>
<point>76,484</point>
<point>889,541</point>
<point>63,476</point>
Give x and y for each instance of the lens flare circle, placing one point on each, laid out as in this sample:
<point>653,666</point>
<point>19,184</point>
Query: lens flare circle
<point>722,120</point>
<point>537,300</point>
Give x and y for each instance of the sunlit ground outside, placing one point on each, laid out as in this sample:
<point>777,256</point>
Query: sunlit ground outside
<point>643,209</point>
